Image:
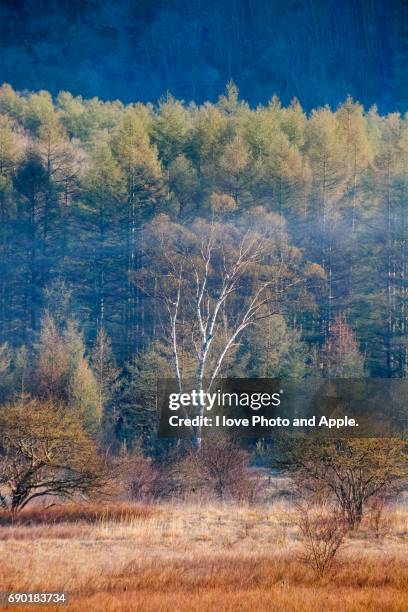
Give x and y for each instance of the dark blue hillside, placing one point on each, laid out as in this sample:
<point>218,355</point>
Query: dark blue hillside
<point>317,50</point>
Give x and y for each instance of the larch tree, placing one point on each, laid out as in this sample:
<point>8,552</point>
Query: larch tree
<point>104,368</point>
<point>341,356</point>
<point>326,153</point>
<point>31,184</point>
<point>170,129</point>
<point>143,185</point>
<point>10,154</point>
<point>62,372</point>
<point>234,171</point>
<point>104,192</point>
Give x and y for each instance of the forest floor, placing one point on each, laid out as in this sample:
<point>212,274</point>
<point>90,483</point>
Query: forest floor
<point>199,557</point>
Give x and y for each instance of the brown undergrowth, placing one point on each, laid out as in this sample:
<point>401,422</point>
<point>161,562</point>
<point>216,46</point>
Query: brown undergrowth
<point>201,558</point>
<point>74,513</point>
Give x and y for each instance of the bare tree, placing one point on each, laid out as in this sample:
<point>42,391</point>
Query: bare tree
<point>45,452</point>
<point>217,279</point>
<point>323,530</point>
<point>350,472</point>
<point>219,467</point>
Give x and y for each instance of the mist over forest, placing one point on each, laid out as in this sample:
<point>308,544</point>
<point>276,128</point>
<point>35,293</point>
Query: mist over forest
<point>214,230</point>
<point>197,197</point>
<point>285,231</point>
<point>318,51</point>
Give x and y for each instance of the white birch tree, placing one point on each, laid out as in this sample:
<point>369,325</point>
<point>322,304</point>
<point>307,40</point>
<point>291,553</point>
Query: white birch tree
<point>216,279</point>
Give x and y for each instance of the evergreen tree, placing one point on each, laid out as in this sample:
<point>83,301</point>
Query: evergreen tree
<point>143,185</point>
<point>105,371</point>
<point>136,419</point>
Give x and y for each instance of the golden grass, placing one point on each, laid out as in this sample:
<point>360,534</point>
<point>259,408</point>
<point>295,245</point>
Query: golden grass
<point>202,558</point>
<point>74,513</point>
<point>251,584</point>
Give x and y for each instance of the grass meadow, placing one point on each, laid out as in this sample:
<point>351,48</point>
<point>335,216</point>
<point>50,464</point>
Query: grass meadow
<point>198,556</point>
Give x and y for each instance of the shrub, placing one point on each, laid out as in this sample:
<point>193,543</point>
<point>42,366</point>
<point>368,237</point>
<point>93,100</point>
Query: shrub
<point>323,529</point>
<point>45,452</point>
<point>351,472</point>
<point>142,479</point>
<point>379,520</point>
<point>220,467</point>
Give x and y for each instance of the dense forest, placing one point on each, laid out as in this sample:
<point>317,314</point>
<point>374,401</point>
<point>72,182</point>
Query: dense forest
<point>111,212</point>
<point>319,50</point>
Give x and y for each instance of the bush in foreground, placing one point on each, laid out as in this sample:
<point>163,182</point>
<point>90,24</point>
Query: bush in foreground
<point>45,452</point>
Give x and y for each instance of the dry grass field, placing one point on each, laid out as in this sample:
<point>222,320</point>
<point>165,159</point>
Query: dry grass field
<point>197,557</point>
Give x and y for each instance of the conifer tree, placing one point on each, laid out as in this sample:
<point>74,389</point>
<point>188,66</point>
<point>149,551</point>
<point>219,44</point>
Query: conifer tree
<point>341,354</point>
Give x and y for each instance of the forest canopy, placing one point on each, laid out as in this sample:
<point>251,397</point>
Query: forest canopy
<point>106,213</point>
